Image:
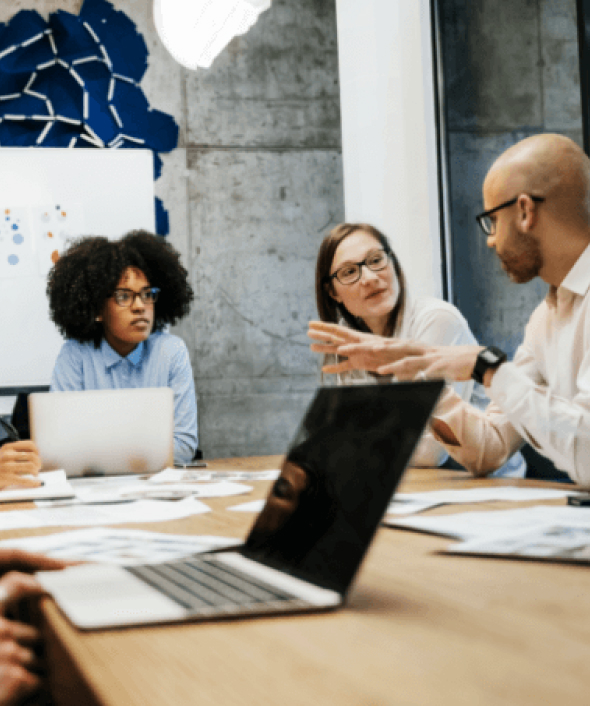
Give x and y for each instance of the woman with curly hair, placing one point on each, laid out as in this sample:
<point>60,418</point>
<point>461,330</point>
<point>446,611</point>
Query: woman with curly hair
<point>112,299</point>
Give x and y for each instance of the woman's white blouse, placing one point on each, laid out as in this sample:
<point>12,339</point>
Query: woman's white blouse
<point>437,323</point>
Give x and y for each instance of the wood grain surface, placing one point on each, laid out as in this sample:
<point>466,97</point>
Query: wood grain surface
<point>419,629</point>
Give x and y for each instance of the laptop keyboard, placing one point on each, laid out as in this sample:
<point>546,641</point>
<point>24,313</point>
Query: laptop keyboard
<point>208,586</point>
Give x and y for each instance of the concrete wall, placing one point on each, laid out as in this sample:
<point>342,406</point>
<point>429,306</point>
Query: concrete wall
<point>511,70</point>
<point>254,184</point>
<point>257,180</point>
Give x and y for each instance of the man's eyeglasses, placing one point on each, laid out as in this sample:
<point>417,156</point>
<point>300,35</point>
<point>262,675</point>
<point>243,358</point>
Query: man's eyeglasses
<point>488,225</point>
<point>350,273</point>
<point>126,297</point>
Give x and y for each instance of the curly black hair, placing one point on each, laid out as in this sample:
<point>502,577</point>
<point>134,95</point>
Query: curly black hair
<point>88,272</point>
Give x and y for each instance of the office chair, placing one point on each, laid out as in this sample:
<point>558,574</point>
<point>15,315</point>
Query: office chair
<point>541,468</point>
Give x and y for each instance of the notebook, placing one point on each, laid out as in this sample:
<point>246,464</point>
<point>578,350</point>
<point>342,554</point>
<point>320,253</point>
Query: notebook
<point>104,432</point>
<point>307,543</point>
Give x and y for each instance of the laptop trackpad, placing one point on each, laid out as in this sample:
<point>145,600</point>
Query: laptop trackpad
<point>108,596</point>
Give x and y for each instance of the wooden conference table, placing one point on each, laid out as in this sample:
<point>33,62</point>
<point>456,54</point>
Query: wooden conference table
<point>420,628</point>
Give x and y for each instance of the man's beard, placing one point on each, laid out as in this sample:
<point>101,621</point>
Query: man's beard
<point>523,262</point>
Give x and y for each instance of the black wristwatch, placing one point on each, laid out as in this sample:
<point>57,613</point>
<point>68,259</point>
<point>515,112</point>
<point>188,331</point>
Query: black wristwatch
<point>490,357</point>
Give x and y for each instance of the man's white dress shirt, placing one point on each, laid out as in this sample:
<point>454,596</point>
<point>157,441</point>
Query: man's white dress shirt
<point>543,396</point>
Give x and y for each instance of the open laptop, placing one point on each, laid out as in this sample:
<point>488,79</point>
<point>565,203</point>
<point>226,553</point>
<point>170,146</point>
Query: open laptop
<point>307,543</point>
<point>104,432</point>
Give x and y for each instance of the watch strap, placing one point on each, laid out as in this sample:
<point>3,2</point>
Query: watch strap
<point>490,357</point>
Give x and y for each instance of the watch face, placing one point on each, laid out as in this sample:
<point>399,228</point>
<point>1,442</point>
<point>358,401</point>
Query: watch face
<point>489,357</point>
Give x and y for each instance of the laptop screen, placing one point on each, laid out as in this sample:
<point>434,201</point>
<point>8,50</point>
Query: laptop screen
<point>104,432</point>
<point>346,460</point>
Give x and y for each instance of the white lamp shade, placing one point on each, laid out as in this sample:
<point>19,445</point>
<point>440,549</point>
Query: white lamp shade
<point>196,31</point>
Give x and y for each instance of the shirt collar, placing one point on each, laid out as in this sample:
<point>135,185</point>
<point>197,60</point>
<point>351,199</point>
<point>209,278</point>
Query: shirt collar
<point>576,281</point>
<point>111,357</point>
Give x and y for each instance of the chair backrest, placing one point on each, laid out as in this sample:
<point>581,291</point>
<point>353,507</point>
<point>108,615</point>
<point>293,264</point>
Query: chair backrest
<point>542,468</point>
<point>20,412</point>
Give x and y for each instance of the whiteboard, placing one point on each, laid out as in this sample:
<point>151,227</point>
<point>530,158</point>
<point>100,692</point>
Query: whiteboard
<point>47,196</point>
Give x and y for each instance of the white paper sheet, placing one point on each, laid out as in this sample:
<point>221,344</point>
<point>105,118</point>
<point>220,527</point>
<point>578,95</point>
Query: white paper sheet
<point>465,525</point>
<point>95,515</point>
<point>173,475</point>
<point>102,491</point>
<point>254,506</point>
<point>168,491</point>
<point>55,485</point>
<point>124,547</point>
<point>407,503</point>
<point>554,542</point>
<point>476,525</point>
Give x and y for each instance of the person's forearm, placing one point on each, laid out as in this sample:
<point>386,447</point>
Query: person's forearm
<point>480,441</point>
<point>557,428</point>
<point>429,453</point>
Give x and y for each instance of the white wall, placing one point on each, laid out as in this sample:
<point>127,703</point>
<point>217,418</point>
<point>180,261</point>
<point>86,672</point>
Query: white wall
<point>388,130</point>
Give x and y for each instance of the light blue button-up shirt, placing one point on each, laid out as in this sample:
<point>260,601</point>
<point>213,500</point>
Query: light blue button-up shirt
<point>160,361</point>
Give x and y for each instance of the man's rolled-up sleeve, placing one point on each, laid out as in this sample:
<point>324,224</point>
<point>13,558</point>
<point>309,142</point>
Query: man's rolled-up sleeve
<point>486,440</point>
<point>556,427</point>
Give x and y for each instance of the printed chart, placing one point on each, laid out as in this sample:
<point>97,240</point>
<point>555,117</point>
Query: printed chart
<point>32,238</point>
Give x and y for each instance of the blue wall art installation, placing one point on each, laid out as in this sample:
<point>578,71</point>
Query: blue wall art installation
<point>73,81</point>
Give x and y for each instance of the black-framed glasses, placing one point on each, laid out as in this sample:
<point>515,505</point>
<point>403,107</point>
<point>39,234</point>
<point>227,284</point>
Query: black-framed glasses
<point>488,225</point>
<point>350,273</point>
<point>126,297</point>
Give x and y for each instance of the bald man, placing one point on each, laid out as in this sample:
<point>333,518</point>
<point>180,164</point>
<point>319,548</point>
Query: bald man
<point>537,219</point>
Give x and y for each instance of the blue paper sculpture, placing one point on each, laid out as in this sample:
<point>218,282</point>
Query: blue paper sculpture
<point>73,81</point>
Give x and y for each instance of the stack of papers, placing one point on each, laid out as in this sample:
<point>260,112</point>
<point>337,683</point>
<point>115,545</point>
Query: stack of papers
<point>122,547</point>
<point>549,532</point>
<point>102,514</point>
<point>407,503</point>
<point>169,495</point>
<point>148,490</point>
<point>167,485</point>
<point>558,542</point>
<point>172,475</point>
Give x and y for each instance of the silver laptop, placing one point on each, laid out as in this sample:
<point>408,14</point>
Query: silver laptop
<point>104,432</point>
<point>307,543</point>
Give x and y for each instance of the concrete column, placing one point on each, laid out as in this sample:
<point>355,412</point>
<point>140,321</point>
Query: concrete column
<point>388,130</point>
